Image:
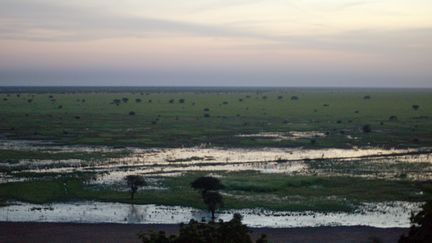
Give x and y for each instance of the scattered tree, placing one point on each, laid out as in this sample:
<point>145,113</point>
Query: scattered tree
<point>415,107</point>
<point>134,182</point>
<point>125,100</point>
<point>213,200</point>
<point>131,113</point>
<point>116,102</point>
<point>138,100</point>
<point>294,97</point>
<point>207,183</point>
<point>367,128</point>
<point>393,118</point>
<point>209,186</point>
<point>366,97</point>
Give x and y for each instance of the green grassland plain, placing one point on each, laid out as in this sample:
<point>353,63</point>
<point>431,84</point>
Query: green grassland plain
<point>164,118</point>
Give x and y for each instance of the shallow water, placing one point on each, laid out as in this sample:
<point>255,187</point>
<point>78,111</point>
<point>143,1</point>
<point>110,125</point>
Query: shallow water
<point>383,215</point>
<point>280,136</point>
<point>172,161</point>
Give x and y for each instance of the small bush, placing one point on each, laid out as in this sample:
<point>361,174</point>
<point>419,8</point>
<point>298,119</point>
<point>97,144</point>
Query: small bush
<point>367,128</point>
<point>393,118</point>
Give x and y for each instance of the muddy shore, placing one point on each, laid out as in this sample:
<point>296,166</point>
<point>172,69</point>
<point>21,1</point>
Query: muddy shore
<point>69,232</point>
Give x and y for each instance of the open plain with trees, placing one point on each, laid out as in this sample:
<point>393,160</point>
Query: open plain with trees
<point>283,151</point>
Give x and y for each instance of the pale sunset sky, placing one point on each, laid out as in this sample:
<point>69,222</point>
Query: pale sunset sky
<point>326,43</point>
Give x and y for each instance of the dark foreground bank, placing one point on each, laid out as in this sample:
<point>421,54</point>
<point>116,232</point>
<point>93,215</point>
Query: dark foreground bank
<point>68,232</point>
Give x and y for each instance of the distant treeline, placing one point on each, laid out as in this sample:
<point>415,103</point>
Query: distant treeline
<point>168,89</point>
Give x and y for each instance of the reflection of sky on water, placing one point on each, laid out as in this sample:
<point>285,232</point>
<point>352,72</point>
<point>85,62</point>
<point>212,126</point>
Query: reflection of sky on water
<point>386,214</point>
<point>175,161</point>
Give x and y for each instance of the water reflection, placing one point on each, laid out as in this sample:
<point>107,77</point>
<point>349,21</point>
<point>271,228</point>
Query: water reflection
<point>384,214</point>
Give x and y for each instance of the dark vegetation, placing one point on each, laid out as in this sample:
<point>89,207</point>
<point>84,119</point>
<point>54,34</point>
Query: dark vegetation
<point>421,229</point>
<point>134,182</point>
<point>209,188</point>
<point>233,231</point>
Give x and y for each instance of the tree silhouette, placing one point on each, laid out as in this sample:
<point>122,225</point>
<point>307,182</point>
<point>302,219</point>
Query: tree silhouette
<point>213,200</point>
<point>415,107</point>
<point>134,182</point>
<point>421,229</point>
<point>209,186</point>
<point>207,183</point>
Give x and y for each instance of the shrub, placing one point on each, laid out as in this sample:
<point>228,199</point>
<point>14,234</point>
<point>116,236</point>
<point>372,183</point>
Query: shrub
<point>367,128</point>
<point>393,118</point>
<point>202,232</point>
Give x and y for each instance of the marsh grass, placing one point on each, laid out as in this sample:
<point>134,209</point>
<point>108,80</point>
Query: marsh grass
<point>243,190</point>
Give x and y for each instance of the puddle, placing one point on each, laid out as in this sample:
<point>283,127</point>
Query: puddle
<point>383,215</point>
<point>280,136</point>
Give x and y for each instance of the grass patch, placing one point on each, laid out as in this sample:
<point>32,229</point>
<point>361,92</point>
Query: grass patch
<point>243,190</point>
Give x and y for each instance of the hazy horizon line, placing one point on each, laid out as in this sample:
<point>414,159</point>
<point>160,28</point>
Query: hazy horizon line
<point>214,86</point>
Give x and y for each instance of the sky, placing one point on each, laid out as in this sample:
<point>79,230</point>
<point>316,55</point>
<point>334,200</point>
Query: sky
<point>324,43</point>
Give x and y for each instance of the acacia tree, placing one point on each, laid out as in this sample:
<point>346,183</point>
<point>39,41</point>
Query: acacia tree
<point>213,200</point>
<point>134,182</point>
<point>207,183</point>
<point>209,186</point>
